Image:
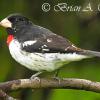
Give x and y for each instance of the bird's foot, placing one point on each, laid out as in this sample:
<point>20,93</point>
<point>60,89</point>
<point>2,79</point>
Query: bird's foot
<point>34,76</point>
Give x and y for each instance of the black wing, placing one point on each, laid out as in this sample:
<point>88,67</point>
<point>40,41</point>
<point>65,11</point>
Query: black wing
<point>47,42</point>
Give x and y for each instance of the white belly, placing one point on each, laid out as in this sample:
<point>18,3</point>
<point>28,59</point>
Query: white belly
<point>41,61</point>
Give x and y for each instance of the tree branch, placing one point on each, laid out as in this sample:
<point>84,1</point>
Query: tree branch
<point>66,83</point>
<point>4,96</point>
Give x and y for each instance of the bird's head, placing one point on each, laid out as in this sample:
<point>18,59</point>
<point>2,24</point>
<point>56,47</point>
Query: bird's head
<point>14,23</point>
<point>14,20</point>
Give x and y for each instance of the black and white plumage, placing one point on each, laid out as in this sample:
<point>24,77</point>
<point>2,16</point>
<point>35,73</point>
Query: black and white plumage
<point>38,48</point>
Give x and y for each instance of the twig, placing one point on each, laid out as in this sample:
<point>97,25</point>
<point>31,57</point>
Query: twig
<point>67,83</point>
<point>4,96</point>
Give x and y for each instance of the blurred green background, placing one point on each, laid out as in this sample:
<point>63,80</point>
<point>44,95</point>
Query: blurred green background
<point>82,28</point>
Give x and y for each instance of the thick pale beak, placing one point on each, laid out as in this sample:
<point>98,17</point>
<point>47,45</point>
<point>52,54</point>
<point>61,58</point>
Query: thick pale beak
<point>6,23</point>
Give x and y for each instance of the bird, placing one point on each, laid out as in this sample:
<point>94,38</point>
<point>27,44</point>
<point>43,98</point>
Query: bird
<point>38,48</point>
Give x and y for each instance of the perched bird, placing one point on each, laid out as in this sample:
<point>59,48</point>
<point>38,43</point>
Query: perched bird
<point>38,48</point>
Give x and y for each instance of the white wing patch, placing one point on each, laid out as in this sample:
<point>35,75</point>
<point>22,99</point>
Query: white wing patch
<point>45,49</point>
<point>26,43</point>
<point>49,40</point>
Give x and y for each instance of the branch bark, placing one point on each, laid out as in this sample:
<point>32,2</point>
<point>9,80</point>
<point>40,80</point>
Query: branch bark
<point>66,83</point>
<point>4,96</point>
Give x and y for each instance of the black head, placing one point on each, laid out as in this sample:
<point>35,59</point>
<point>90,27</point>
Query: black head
<point>15,20</point>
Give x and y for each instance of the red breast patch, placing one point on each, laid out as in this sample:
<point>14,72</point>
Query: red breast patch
<point>9,39</point>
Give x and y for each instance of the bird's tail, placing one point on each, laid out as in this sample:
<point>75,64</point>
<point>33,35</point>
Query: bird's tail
<point>90,53</point>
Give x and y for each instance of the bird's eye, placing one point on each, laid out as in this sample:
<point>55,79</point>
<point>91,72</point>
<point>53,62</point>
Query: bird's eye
<point>12,19</point>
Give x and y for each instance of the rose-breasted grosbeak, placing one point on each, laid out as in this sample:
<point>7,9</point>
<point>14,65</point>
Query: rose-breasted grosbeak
<point>38,48</point>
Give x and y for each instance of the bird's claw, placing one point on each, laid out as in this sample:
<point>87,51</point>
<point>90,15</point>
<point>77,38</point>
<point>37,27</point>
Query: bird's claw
<point>35,78</point>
